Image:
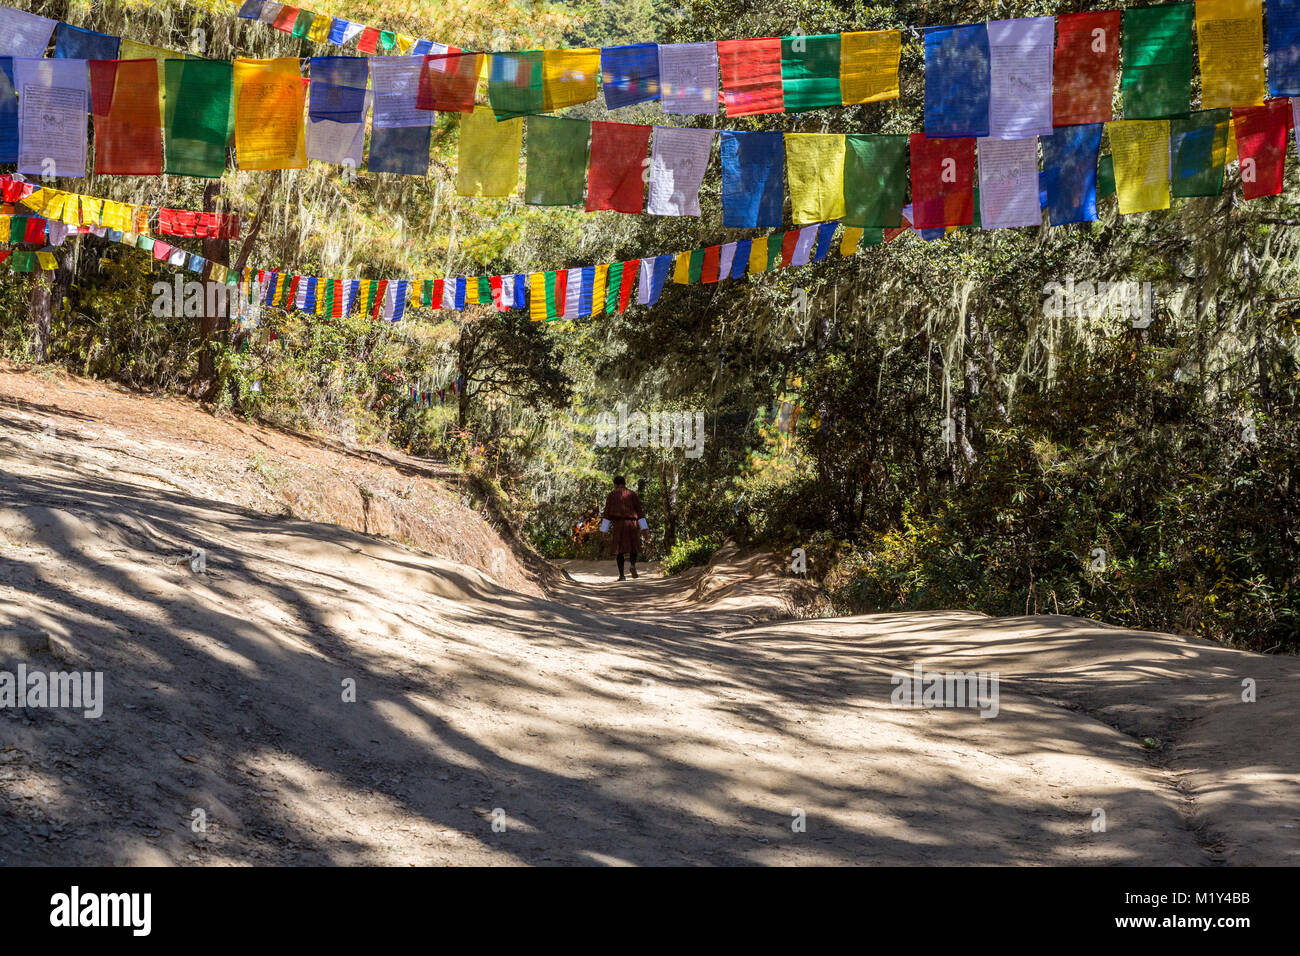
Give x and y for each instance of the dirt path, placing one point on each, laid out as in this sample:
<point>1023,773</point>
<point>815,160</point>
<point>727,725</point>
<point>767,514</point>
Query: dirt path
<point>655,721</point>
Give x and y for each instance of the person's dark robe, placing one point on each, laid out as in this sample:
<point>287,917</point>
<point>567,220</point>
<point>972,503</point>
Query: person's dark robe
<point>623,511</point>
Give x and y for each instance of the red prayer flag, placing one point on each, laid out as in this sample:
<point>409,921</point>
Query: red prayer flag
<point>710,270</point>
<point>630,270</point>
<point>448,81</point>
<point>1261,146</point>
<point>369,42</point>
<point>284,20</point>
<point>34,231</point>
<point>381,291</point>
<point>1084,67</point>
<point>128,127</point>
<point>495,283</point>
<point>751,76</point>
<point>437,293</point>
<point>615,177</point>
<point>943,182</point>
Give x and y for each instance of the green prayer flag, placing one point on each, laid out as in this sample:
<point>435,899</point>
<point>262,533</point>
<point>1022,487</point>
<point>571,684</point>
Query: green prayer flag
<point>387,39</point>
<point>696,266</point>
<point>613,286</point>
<point>199,116</point>
<point>774,244</point>
<point>1106,177</point>
<point>17,228</point>
<point>303,23</point>
<point>515,84</point>
<point>1198,149</point>
<point>875,180</point>
<point>551,311</point>
<point>556,153</point>
<point>22,261</point>
<point>484,290</point>
<point>872,237</point>
<point>427,293</point>
<point>1157,51</point>
<point>810,72</point>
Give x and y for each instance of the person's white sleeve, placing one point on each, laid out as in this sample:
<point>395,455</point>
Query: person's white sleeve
<point>644,526</point>
<point>604,525</point>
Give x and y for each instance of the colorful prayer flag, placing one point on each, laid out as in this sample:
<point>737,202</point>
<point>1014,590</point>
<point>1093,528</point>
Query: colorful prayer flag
<point>270,97</point>
<point>199,117</point>
<point>957,76</point>
<point>1008,177</point>
<point>943,180</point>
<point>1198,152</point>
<point>489,154</point>
<point>688,77</point>
<point>1261,146</point>
<point>815,165</point>
<point>629,74</point>
<point>1020,77</point>
<point>1157,51</point>
<point>556,160</point>
<point>1230,41</point>
<point>869,66</point>
<point>875,180</point>
<point>128,125</point>
<point>1140,152</point>
<point>810,72</point>
<point>1069,178</point>
<point>569,77</point>
<point>679,158</point>
<point>618,162</point>
<point>751,76</point>
<point>1283,47</point>
<point>753,179</point>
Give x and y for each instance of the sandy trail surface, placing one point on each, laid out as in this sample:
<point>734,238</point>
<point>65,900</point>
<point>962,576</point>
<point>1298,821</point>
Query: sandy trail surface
<point>496,720</point>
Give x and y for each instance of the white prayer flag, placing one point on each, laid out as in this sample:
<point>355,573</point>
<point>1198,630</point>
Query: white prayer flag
<point>1020,77</point>
<point>678,160</point>
<point>1008,171</point>
<point>688,77</point>
<point>53,104</point>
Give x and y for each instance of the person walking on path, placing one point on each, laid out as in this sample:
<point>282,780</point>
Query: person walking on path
<point>624,520</point>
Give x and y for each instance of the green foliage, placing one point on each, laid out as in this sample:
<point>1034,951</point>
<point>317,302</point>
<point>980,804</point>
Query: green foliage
<point>690,553</point>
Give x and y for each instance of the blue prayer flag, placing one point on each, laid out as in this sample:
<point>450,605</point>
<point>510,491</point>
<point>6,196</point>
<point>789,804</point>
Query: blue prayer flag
<point>957,81</point>
<point>1068,182</point>
<point>753,179</point>
<point>629,74</point>
<point>74,43</point>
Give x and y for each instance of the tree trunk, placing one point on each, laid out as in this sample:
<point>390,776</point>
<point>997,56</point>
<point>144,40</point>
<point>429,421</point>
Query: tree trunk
<point>215,308</point>
<point>40,306</point>
<point>670,501</point>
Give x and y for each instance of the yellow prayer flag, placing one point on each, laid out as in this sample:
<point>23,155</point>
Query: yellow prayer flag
<point>814,163</point>
<point>270,98</point>
<point>1140,150</point>
<point>569,77</point>
<point>404,43</point>
<point>47,261</point>
<point>869,65</point>
<point>1231,156</point>
<point>319,31</point>
<point>131,50</point>
<point>489,154</point>
<point>537,297</point>
<point>599,287</point>
<point>682,268</point>
<point>1230,40</point>
<point>758,255</point>
<point>849,241</point>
